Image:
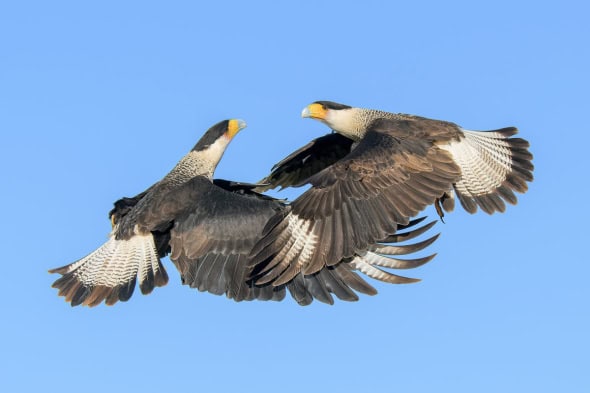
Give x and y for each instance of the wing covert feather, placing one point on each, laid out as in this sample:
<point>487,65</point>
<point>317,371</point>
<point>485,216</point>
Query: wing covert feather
<point>383,182</point>
<point>296,168</point>
<point>210,241</point>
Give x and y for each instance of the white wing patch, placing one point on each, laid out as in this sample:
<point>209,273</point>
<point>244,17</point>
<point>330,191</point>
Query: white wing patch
<point>485,161</point>
<point>298,243</point>
<point>110,272</point>
<point>493,166</point>
<point>117,262</point>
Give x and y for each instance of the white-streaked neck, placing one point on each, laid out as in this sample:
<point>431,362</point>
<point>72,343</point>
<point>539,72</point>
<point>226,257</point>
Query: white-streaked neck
<point>199,162</point>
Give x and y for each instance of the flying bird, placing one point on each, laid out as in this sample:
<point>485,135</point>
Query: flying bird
<point>375,172</point>
<point>208,228</point>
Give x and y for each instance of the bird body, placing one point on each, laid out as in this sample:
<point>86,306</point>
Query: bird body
<point>209,228</point>
<point>141,229</point>
<point>382,169</point>
<point>491,164</point>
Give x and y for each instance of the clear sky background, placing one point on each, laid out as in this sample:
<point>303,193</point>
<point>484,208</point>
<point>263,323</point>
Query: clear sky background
<point>98,101</point>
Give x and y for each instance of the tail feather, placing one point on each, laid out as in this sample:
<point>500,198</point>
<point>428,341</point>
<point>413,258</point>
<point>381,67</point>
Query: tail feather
<point>493,166</point>
<point>110,272</point>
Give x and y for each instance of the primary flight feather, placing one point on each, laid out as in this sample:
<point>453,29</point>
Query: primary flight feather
<point>374,173</point>
<point>209,228</point>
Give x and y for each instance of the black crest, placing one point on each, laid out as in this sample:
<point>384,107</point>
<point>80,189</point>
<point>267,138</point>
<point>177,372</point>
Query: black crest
<point>212,135</point>
<point>332,105</point>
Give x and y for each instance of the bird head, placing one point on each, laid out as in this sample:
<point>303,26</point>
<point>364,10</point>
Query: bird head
<point>339,117</point>
<point>204,157</point>
<point>221,133</point>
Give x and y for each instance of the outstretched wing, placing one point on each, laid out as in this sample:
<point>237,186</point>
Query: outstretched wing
<point>212,239</point>
<point>388,178</point>
<point>305,162</point>
<point>493,166</point>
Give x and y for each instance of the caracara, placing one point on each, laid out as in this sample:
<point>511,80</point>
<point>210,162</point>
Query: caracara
<point>376,171</point>
<point>208,227</point>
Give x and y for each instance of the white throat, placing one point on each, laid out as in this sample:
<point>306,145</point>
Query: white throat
<point>345,122</point>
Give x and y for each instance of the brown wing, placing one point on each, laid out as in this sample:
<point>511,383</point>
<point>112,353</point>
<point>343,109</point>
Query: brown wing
<point>211,242</point>
<point>389,177</point>
<point>295,169</point>
<point>124,206</point>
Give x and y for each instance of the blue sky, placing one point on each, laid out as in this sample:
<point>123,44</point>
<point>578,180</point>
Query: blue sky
<point>98,101</point>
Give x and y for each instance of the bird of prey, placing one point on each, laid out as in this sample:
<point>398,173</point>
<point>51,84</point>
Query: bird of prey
<point>378,170</point>
<point>208,227</point>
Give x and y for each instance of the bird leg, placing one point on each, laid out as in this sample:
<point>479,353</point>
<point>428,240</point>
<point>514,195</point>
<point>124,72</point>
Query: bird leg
<point>439,209</point>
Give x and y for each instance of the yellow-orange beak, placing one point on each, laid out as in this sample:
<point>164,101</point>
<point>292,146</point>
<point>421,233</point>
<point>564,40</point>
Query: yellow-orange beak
<point>234,126</point>
<point>315,111</point>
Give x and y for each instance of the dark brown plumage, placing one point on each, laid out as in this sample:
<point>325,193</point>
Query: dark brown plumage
<point>209,227</point>
<point>383,169</point>
<point>142,229</point>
